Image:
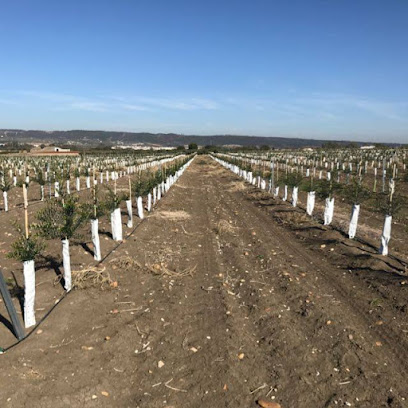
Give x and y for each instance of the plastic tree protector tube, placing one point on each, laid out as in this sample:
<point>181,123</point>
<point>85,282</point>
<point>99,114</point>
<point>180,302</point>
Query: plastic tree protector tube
<point>29,293</point>
<point>355,211</point>
<point>285,194</point>
<point>66,262</point>
<point>294,196</point>
<point>328,211</point>
<point>95,240</point>
<point>386,235</point>
<point>5,201</point>
<point>130,214</point>
<point>310,202</point>
<point>149,202</point>
<point>116,225</point>
<point>140,208</point>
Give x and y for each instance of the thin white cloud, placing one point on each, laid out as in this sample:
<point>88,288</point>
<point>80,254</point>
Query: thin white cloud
<point>90,106</point>
<point>132,107</point>
<point>104,103</point>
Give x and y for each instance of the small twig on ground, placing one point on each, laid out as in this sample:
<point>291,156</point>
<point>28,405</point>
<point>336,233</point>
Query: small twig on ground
<point>166,384</point>
<point>259,388</point>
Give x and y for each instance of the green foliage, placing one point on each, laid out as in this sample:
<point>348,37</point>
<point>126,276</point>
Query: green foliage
<point>23,248</point>
<point>192,146</point>
<point>40,178</point>
<point>355,192</point>
<point>158,177</point>
<point>5,184</point>
<point>142,185</point>
<point>327,188</point>
<point>96,208</point>
<point>293,179</point>
<point>61,218</point>
<point>384,205</point>
<point>113,200</point>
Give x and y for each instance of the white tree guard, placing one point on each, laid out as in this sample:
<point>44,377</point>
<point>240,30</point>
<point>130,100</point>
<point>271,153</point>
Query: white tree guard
<point>56,189</point>
<point>42,193</point>
<point>355,211</point>
<point>68,187</point>
<point>130,213</point>
<point>78,184</point>
<point>154,195</point>
<point>159,192</point>
<point>95,239</point>
<point>149,202</point>
<point>328,211</point>
<point>66,263</point>
<point>263,185</point>
<point>29,293</point>
<point>5,198</point>
<point>285,193</point>
<point>311,196</point>
<point>88,182</point>
<point>295,196</point>
<point>276,192</point>
<point>140,208</point>
<point>116,225</point>
<point>386,235</point>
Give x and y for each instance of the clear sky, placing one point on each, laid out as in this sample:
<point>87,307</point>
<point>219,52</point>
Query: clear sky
<point>307,68</point>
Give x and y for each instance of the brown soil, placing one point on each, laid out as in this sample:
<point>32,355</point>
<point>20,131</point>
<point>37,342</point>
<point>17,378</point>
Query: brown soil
<point>241,298</point>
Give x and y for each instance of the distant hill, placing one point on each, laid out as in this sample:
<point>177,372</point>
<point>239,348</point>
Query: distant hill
<point>96,137</point>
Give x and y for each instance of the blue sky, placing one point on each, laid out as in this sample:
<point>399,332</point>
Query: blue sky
<point>334,69</point>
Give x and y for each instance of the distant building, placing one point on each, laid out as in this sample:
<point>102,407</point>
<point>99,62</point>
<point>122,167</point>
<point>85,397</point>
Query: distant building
<point>52,151</point>
<point>367,147</point>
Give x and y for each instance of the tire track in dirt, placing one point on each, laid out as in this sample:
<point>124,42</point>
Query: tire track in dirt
<point>332,285</point>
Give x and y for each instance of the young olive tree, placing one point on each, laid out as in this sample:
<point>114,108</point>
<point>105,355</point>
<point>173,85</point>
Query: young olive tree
<point>112,202</point>
<point>61,219</point>
<point>26,248</point>
<point>325,189</point>
<point>94,211</point>
<point>5,187</point>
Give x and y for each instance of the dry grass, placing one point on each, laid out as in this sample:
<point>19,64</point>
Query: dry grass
<point>91,276</point>
<point>237,186</point>
<point>224,227</point>
<point>125,263</point>
<point>172,215</point>
<point>162,269</point>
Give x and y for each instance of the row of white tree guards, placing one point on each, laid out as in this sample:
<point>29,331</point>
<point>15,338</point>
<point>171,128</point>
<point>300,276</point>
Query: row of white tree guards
<point>267,185</point>
<point>116,224</point>
<point>102,170</point>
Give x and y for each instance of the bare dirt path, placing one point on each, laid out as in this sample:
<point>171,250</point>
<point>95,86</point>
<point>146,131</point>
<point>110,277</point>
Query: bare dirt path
<point>232,307</point>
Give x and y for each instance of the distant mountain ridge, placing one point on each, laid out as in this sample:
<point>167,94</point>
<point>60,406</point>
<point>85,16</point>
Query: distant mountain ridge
<point>96,137</point>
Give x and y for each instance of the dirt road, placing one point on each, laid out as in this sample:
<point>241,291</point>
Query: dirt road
<point>231,307</point>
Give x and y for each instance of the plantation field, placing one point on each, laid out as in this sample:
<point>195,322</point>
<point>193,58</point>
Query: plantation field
<point>221,296</point>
